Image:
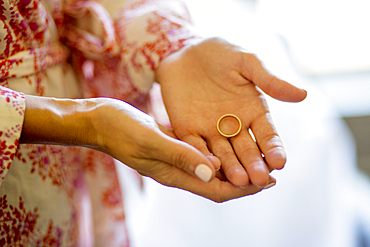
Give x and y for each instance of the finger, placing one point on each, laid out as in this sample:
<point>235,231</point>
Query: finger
<point>183,156</point>
<point>250,156</point>
<point>270,168</point>
<point>216,190</point>
<point>199,143</point>
<point>220,175</point>
<point>215,161</point>
<point>253,70</point>
<point>196,142</point>
<point>269,141</point>
<point>167,131</point>
<point>230,164</point>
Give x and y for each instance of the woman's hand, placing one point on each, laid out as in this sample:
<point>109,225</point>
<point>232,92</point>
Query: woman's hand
<point>131,136</point>
<point>202,82</point>
<point>135,139</point>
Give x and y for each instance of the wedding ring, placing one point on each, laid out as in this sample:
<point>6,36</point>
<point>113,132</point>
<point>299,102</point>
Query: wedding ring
<point>228,135</point>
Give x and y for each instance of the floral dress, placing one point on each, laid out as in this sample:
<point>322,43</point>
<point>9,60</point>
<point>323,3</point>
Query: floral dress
<point>71,196</point>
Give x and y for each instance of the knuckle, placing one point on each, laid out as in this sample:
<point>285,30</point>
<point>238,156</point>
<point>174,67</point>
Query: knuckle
<point>179,159</point>
<point>249,156</point>
<point>270,141</point>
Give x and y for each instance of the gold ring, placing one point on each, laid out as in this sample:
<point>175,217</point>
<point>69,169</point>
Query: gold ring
<point>229,135</point>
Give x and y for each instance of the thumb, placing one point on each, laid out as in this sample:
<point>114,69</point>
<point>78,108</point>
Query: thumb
<point>185,157</point>
<point>253,70</point>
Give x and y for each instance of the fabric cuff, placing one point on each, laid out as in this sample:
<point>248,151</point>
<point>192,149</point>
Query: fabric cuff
<point>12,107</point>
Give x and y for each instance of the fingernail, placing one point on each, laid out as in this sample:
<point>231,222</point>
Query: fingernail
<point>215,161</point>
<point>276,157</point>
<point>203,172</point>
<point>304,91</point>
<point>269,185</point>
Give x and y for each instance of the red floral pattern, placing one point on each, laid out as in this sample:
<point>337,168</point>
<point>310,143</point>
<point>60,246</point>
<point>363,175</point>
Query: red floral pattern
<point>9,130</point>
<point>130,65</point>
<point>19,227</point>
<point>116,58</point>
<point>56,163</point>
<point>6,153</point>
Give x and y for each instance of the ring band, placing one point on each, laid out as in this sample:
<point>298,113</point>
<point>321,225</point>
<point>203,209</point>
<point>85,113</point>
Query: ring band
<point>230,135</point>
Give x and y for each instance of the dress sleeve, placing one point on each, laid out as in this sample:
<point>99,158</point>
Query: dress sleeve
<point>130,42</point>
<point>150,31</point>
<point>12,107</point>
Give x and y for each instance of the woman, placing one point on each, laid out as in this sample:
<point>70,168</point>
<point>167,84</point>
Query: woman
<point>46,190</point>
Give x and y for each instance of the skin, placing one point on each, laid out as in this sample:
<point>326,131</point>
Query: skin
<point>208,79</point>
<point>129,135</point>
<point>200,83</point>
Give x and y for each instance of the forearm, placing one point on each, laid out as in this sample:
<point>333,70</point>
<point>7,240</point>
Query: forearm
<point>58,121</point>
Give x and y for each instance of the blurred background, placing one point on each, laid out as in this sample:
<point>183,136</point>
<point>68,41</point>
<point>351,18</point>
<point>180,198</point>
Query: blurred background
<point>323,195</point>
<point>328,42</point>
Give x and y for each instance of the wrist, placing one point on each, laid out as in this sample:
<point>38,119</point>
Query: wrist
<point>182,54</point>
<point>58,121</point>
